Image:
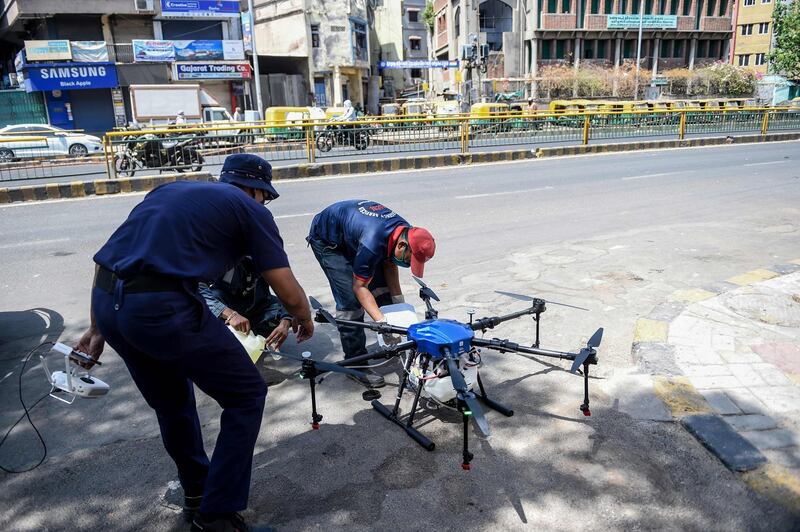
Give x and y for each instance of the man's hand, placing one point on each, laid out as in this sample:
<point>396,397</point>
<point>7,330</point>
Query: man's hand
<point>238,322</point>
<point>303,328</point>
<point>91,343</point>
<point>278,335</point>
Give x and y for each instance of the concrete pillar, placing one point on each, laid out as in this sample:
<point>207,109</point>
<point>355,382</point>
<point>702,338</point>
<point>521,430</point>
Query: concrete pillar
<point>578,52</point>
<point>729,11</point>
<point>692,52</point>
<point>158,34</point>
<point>692,9</point>
<point>656,51</point>
<point>534,67</point>
<point>615,7</point>
<point>337,86</point>
<point>617,60</point>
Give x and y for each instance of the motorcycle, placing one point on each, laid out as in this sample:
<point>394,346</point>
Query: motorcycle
<point>357,136</point>
<point>152,151</point>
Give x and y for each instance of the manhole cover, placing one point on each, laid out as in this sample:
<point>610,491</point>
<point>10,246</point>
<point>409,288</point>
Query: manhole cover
<point>775,309</point>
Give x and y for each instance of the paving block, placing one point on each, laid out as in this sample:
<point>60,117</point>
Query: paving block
<point>733,450</point>
<point>751,422</point>
<point>740,356</point>
<point>634,395</point>
<point>650,330</point>
<point>783,269</point>
<point>747,374</point>
<point>778,398</point>
<point>773,376</point>
<point>722,342</point>
<point>692,295</point>
<point>751,277</point>
<point>667,311</point>
<point>747,401</point>
<point>655,358</point>
<point>705,370</point>
<point>714,382</point>
<point>771,439</point>
<point>720,402</point>
<point>679,395</point>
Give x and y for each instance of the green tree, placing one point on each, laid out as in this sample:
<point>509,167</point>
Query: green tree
<point>785,56</point>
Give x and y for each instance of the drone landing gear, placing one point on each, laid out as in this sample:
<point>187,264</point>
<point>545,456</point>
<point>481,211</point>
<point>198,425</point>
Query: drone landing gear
<point>465,413</point>
<point>393,415</point>
<point>494,405</point>
<point>585,406</point>
<point>310,372</point>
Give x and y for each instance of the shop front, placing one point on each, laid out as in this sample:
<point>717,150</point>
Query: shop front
<point>77,95</point>
<point>222,80</point>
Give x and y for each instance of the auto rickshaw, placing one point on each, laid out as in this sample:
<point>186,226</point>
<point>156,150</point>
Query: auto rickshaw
<point>285,122</point>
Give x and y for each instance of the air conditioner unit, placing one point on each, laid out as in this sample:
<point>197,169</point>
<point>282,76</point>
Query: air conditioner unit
<point>143,6</point>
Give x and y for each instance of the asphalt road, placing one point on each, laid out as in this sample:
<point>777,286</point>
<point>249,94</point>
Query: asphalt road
<point>35,174</point>
<point>614,233</point>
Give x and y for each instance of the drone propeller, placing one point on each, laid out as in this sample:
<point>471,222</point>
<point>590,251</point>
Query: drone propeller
<point>531,299</point>
<point>460,385</point>
<point>327,316</point>
<point>587,351</point>
<point>425,289</point>
<point>322,366</point>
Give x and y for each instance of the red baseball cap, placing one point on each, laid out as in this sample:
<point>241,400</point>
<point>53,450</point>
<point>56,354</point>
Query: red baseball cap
<point>422,249</point>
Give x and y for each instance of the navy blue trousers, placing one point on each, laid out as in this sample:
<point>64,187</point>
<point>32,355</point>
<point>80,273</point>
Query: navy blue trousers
<point>168,341</point>
<point>339,271</point>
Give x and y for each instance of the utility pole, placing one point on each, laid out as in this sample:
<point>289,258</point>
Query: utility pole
<point>256,73</point>
<point>638,48</point>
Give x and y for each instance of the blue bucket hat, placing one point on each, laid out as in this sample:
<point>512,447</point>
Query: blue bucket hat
<point>248,170</point>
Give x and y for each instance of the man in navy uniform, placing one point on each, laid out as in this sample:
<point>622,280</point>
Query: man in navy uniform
<point>360,244</point>
<point>146,306</point>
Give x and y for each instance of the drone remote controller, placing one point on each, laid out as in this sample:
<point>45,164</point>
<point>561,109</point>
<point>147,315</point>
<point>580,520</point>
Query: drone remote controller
<point>73,380</point>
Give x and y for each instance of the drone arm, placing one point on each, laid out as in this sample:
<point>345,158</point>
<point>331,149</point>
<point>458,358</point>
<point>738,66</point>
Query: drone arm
<point>384,352</point>
<point>374,326</point>
<point>505,346</point>
<point>492,322</point>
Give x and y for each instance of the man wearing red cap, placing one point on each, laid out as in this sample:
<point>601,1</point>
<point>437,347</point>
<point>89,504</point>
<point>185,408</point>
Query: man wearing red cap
<point>360,244</point>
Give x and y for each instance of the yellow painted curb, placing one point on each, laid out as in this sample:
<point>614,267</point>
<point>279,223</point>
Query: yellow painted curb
<point>680,396</point>
<point>648,330</point>
<point>776,483</point>
<point>76,189</point>
<point>4,196</point>
<point>52,191</point>
<point>795,261</point>
<point>751,277</point>
<point>692,295</point>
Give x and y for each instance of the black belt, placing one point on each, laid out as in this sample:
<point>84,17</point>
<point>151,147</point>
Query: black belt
<point>106,280</point>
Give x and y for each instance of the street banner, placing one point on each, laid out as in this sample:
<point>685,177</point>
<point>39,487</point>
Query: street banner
<point>247,31</point>
<point>200,8</point>
<point>47,50</point>
<point>648,21</point>
<point>153,51</point>
<point>233,50</point>
<point>198,50</point>
<point>187,71</point>
<point>89,51</point>
<point>418,63</point>
<point>70,76</point>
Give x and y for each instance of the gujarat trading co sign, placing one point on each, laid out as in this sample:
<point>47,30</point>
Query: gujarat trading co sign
<point>648,21</point>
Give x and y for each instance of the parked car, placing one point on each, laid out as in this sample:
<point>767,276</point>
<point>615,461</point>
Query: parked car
<point>58,142</point>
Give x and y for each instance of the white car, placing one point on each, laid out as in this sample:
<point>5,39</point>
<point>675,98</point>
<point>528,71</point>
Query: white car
<point>56,142</point>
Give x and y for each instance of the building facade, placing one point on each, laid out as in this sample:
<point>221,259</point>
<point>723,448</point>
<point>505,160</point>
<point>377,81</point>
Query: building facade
<point>752,39</point>
<point>81,56</point>
<point>525,35</point>
<point>400,34</point>
<point>326,42</point>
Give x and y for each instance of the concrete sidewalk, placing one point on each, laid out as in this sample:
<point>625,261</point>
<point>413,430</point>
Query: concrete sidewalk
<point>724,360</point>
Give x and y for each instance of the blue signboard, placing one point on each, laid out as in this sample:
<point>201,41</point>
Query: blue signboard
<point>70,76</point>
<point>418,63</point>
<point>200,8</point>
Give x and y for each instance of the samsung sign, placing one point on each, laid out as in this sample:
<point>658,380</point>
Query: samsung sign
<point>70,76</point>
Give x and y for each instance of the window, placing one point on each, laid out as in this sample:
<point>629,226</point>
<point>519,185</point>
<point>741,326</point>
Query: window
<point>315,36</point>
<point>747,29</point>
<point>416,73</point>
<point>766,1</point>
<point>319,92</point>
<point>413,15</point>
<point>457,21</point>
<point>761,59</point>
<point>415,43</point>
<point>749,2</point>
<point>744,60</point>
<point>763,27</point>
<point>359,40</point>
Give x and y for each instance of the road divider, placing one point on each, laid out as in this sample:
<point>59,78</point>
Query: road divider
<point>339,168</point>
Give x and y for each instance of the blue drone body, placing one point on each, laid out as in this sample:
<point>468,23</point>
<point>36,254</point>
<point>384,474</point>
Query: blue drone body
<point>434,336</point>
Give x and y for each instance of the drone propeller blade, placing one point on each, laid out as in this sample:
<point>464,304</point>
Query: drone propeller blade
<point>327,316</point>
<point>530,299</point>
<point>580,358</point>
<point>425,289</point>
<point>322,366</point>
<point>475,408</point>
<point>596,338</point>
